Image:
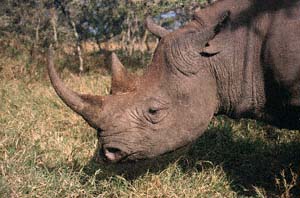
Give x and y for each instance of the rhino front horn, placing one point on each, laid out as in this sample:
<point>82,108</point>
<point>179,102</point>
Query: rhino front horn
<point>85,105</point>
<point>122,81</point>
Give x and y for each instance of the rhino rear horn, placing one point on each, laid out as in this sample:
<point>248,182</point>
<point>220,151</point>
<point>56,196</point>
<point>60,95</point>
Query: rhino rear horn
<point>122,81</point>
<point>154,28</point>
<point>84,105</point>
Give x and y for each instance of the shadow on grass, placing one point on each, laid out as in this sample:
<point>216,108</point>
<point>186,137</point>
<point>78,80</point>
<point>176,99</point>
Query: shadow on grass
<point>246,161</point>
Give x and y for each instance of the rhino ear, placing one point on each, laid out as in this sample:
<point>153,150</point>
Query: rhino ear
<point>122,81</point>
<point>213,46</point>
<point>207,19</point>
<point>222,21</point>
<point>154,28</point>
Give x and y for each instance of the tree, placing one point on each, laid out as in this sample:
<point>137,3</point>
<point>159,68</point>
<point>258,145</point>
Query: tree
<point>102,19</point>
<point>36,24</point>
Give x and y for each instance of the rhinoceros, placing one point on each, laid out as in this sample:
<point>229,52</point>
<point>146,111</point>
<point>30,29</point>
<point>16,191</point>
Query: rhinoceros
<point>241,59</point>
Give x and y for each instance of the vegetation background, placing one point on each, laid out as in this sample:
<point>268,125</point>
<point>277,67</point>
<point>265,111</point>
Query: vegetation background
<point>48,151</point>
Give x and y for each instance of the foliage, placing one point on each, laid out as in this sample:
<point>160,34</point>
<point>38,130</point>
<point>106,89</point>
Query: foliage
<point>97,19</point>
<point>102,19</point>
<point>28,27</point>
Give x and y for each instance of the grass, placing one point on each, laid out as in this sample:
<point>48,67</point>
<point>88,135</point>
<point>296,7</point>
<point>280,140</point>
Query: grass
<point>48,151</point>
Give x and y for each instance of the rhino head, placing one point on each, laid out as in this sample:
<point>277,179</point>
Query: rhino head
<point>166,108</point>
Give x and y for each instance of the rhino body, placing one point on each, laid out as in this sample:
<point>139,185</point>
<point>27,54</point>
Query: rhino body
<point>260,74</point>
<point>240,58</point>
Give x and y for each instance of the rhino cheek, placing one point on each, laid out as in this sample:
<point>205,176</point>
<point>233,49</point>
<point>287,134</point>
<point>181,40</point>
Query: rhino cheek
<point>191,124</point>
<point>177,136</point>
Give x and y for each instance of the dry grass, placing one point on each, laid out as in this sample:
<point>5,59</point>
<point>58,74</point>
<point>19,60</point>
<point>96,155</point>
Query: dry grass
<point>47,151</point>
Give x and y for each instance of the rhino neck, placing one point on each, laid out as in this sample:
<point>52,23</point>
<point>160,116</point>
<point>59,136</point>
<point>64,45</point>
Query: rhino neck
<point>239,74</point>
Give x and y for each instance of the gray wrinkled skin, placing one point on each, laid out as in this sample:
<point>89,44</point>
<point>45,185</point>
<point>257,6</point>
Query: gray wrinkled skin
<point>239,59</point>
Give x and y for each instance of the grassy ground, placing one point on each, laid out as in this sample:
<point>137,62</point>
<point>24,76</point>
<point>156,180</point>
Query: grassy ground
<point>48,151</point>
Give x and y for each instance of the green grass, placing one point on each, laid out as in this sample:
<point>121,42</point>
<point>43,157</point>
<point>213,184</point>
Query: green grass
<point>48,151</point>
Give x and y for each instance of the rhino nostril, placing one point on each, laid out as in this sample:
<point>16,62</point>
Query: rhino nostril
<point>113,154</point>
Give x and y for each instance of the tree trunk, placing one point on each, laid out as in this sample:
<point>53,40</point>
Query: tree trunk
<point>129,46</point>
<point>123,40</point>
<point>36,41</point>
<point>73,26</point>
<point>143,43</point>
<point>78,46</point>
<point>53,22</point>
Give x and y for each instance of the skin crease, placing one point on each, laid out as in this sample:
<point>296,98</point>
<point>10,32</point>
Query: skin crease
<point>242,60</point>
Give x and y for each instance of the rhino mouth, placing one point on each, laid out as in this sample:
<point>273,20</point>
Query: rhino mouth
<point>113,154</point>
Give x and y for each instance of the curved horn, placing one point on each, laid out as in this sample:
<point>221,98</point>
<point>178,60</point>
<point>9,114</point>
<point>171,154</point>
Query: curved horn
<point>122,81</point>
<point>154,28</point>
<point>81,104</point>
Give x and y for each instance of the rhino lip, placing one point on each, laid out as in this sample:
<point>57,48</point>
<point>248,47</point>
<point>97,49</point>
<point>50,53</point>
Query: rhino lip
<point>112,154</point>
<point>132,157</point>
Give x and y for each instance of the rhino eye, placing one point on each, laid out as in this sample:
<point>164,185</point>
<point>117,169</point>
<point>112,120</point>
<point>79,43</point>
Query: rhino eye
<point>152,111</point>
<point>208,55</point>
